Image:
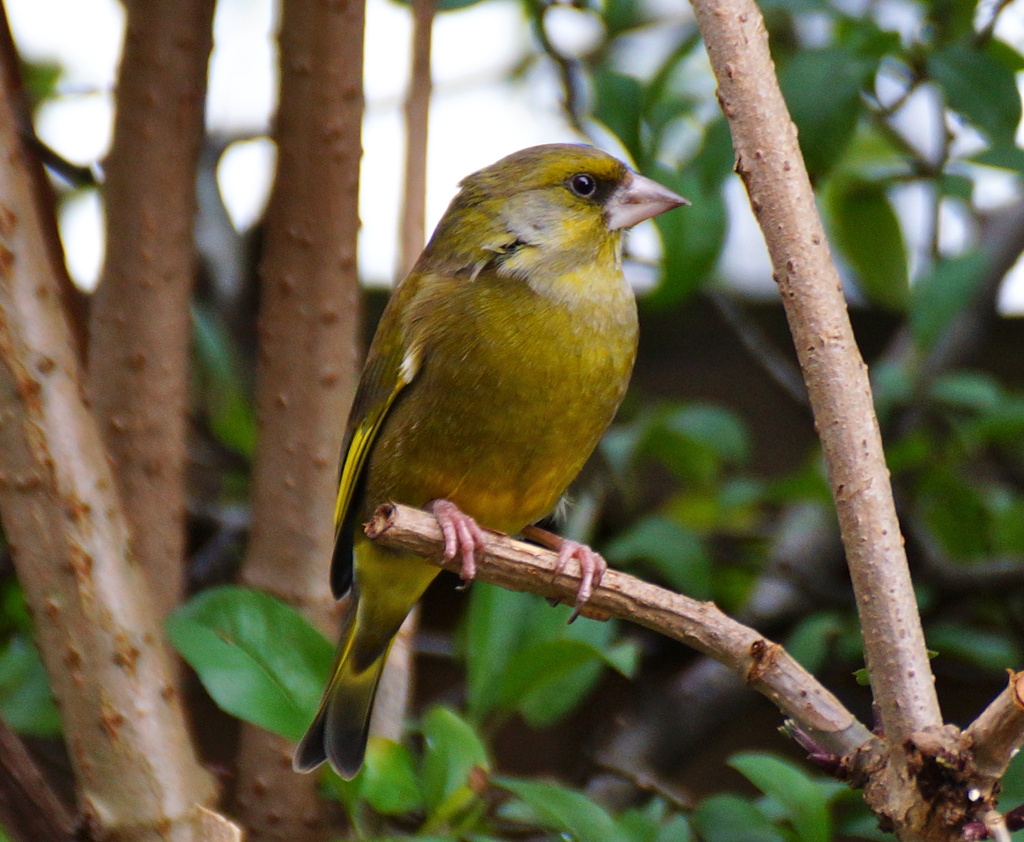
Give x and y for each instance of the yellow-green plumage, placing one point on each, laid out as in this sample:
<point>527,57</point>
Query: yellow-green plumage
<point>496,367</point>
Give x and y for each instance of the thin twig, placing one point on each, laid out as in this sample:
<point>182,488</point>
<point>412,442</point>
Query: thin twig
<point>30,811</point>
<point>800,571</point>
<point>761,348</point>
<point>763,665</point>
<point>988,30</point>
<point>567,67</point>
<point>995,824</point>
<point>998,733</point>
<point>417,113</point>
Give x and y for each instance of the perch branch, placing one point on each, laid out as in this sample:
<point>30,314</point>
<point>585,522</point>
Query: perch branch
<point>769,161</point>
<point>804,560</point>
<point>763,665</point>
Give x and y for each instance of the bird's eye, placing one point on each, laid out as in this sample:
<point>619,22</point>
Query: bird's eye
<point>583,185</point>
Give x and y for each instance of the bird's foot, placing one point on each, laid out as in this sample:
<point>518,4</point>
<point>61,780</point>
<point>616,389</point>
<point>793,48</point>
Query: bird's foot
<point>462,535</point>
<point>592,564</point>
<point>592,569</point>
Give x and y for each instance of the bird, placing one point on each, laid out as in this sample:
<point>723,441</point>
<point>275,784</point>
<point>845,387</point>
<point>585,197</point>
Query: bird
<point>497,365</point>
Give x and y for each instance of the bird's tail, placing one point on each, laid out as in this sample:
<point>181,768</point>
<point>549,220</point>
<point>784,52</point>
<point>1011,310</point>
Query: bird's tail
<point>387,586</point>
<point>339,729</point>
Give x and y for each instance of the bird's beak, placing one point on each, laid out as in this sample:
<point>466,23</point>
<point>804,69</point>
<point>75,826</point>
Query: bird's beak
<point>637,199</point>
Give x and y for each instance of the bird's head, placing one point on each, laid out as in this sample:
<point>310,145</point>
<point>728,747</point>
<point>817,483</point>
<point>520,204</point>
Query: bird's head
<point>547,209</point>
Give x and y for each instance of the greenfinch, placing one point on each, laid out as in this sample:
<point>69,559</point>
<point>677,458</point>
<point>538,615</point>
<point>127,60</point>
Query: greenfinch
<point>496,367</point>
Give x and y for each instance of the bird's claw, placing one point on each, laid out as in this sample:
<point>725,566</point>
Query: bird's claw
<point>592,570</point>
<point>462,536</point>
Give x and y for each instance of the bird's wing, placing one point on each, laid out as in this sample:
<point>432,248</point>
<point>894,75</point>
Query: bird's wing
<point>391,364</point>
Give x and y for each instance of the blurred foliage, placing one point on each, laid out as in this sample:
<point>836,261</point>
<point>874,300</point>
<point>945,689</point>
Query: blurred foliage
<point>907,111</point>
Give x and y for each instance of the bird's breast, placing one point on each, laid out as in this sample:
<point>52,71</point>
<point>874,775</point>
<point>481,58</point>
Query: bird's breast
<point>513,394</point>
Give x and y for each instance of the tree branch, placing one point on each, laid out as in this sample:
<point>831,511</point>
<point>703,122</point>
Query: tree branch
<point>417,114</point>
<point>138,776</point>
<point>805,556</point>
<point>140,328</point>
<point>307,364</point>
<point>998,733</point>
<point>30,810</point>
<point>763,665</point>
<point>769,161</point>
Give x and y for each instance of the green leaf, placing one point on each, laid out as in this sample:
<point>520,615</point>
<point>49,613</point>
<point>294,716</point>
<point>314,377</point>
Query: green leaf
<point>728,818</point>
<point>675,552</point>
<point>809,640</point>
<point>861,35</point>
<point>715,160</point>
<point>232,417</point>
<point>1005,155</point>
<point>955,512</point>
<point>989,649</point>
<point>388,780</point>
<point>40,79</point>
<point>257,658</point>
<point>452,751</point>
<point>617,103</point>
<point>653,823</point>
<point>26,702</point>
<point>802,799</point>
<point>496,624</point>
<point>1012,784</point>
<point>938,298</point>
<point>1008,527</point>
<point>621,444</point>
<point>980,88</point>
<point>867,232</point>
<point>676,829</point>
<point>619,15</point>
<point>967,390</point>
<point>893,386</point>
<point>949,20</point>
<point>564,810</point>
<point>1003,423</point>
<point>1008,56</point>
<point>547,679</point>
<point>718,428</point>
<point>691,237</point>
<point>501,626</point>
<point>822,89</point>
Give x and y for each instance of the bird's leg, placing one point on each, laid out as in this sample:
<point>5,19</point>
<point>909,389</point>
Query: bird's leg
<point>462,535</point>
<point>592,564</point>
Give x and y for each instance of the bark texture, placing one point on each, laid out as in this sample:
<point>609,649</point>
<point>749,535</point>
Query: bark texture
<point>769,161</point>
<point>140,324</point>
<point>763,665</point>
<point>417,122</point>
<point>138,776</point>
<point>307,362</point>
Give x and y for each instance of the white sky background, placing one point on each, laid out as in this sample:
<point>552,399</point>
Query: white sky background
<point>476,117</point>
